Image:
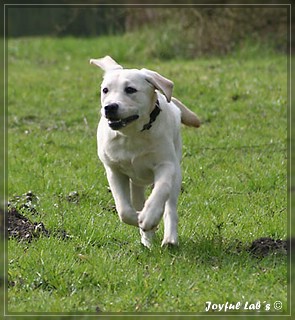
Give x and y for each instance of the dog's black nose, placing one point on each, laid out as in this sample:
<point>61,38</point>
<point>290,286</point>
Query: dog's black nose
<point>111,109</point>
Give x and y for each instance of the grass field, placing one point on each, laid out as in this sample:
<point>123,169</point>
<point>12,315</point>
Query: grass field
<point>234,185</point>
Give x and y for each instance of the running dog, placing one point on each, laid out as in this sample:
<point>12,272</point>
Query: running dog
<point>139,144</point>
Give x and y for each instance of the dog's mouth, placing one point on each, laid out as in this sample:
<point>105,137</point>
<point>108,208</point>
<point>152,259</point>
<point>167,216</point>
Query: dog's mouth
<point>117,124</point>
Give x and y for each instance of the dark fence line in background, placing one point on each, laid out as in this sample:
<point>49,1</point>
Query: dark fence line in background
<point>205,29</point>
<point>63,21</point>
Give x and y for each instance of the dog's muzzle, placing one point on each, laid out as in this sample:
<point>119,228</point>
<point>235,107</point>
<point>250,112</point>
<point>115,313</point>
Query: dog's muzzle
<point>114,122</point>
<point>121,123</point>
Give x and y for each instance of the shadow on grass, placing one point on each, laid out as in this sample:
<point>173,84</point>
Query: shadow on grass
<point>215,251</point>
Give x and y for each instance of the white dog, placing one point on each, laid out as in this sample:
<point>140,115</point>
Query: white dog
<point>139,144</point>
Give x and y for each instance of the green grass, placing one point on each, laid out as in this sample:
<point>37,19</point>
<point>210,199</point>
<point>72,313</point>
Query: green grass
<point>234,184</point>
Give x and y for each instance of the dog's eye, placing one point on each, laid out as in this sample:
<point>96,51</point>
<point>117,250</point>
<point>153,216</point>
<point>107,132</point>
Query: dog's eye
<point>130,90</point>
<point>105,90</point>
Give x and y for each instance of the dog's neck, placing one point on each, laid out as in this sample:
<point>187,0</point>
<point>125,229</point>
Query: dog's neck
<point>153,116</point>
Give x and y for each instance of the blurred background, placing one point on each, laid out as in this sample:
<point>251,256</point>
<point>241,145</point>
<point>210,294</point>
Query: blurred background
<point>165,32</point>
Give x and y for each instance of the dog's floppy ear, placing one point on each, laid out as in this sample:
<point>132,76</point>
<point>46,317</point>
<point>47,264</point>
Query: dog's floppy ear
<point>106,63</point>
<point>159,82</point>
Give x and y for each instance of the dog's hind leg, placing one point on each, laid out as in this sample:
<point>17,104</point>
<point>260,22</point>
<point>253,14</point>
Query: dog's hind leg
<point>138,200</point>
<point>137,196</point>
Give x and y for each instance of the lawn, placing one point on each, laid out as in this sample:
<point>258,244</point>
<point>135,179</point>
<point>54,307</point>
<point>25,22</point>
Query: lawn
<point>234,185</point>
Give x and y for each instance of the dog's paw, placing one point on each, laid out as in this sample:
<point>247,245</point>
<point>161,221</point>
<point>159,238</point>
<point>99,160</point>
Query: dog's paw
<point>148,222</point>
<point>171,241</point>
<point>147,237</point>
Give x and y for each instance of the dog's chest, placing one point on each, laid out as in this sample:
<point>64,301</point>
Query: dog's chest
<point>133,157</point>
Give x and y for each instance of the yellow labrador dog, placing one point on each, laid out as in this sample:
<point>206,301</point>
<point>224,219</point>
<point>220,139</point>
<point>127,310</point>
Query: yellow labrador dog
<point>139,144</point>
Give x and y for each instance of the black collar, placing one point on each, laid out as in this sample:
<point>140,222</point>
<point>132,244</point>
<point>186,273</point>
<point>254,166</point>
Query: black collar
<point>153,116</point>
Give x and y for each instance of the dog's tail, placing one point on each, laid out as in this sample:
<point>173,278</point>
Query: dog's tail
<point>187,116</point>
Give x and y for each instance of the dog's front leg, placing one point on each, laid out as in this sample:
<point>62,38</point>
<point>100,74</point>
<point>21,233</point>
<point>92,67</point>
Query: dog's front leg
<point>170,213</point>
<point>119,184</point>
<point>152,212</point>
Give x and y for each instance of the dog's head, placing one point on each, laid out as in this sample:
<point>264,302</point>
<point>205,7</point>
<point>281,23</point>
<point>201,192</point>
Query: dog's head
<point>129,94</point>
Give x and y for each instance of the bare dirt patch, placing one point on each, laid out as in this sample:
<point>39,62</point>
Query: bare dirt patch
<point>265,246</point>
<point>20,227</point>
